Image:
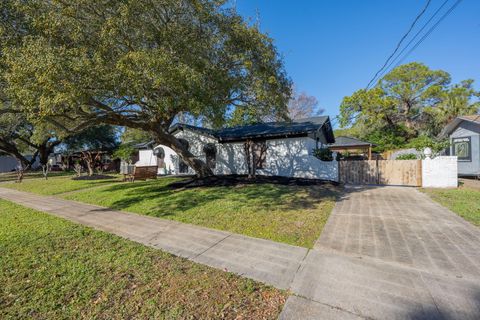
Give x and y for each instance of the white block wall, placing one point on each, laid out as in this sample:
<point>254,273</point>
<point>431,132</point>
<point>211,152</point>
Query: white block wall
<point>289,157</point>
<point>293,157</point>
<point>147,158</point>
<point>440,172</point>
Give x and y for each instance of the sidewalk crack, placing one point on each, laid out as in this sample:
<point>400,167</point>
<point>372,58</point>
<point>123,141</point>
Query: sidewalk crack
<point>213,245</point>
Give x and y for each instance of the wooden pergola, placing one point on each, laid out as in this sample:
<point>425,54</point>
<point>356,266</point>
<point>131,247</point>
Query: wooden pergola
<point>349,144</point>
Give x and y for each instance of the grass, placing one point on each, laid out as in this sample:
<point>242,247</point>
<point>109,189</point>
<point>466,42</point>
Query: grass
<point>464,201</point>
<point>57,184</point>
<point>53,269</point>
<point>289,214</point>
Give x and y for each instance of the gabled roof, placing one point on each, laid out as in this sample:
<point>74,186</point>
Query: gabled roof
<point>299,127</point>
<point>449,128</point>
<point>278,129</point>
<point>144,145</point>
<point>205,131</point>
<point>345,141</point>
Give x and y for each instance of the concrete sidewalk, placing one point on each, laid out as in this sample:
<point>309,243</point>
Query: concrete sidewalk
<point>270,262</point>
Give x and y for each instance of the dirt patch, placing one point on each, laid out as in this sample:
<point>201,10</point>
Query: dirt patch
<point>236,180</point>
<point>94,177</point>
<point>471,183</point>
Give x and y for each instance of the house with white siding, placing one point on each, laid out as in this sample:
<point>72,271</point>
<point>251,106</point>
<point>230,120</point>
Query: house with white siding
<point>280,149</point>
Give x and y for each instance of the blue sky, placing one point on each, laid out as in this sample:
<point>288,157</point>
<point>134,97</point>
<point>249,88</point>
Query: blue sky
<point>333,47</point>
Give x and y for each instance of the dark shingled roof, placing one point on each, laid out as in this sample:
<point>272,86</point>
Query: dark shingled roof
<point>349,142</point>
<point>452,125</point>
<point>300,127</point>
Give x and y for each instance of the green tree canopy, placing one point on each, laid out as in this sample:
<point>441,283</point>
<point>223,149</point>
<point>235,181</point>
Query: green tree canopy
<point>132,136</point>
<point>98,138</point>
<point>410,101</point>
<point>19,137</point>
<point>139,64</point>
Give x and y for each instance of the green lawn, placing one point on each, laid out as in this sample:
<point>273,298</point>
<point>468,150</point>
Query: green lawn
<point>53,269</point>
<point>464,201</point>
<point>57,185</point>
<point>290,214</point>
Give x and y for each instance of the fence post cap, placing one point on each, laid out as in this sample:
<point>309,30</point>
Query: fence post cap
<point>427,152</point>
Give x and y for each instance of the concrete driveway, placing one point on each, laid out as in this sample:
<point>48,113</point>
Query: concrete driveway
<point>390,253</point>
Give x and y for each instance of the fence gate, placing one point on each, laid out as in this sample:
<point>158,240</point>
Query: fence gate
<point>384,172</point>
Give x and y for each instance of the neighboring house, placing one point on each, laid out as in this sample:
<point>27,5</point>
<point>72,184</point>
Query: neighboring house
<point>9,163</point>
<point>102,159</point>
<point>281,149</point>
<point>464,134</point>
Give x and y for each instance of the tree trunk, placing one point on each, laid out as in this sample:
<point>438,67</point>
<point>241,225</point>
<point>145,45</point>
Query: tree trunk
<point>43,153</point>
<point>250,157</point>
<point>21,169</point>
<point>90,168</point>
<point>45,171</point>
<point>87,157</point>
<point>200,167</point>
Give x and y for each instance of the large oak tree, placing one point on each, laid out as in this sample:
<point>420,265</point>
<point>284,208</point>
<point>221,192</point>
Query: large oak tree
<point>140,63</point>
<point>411,101</point>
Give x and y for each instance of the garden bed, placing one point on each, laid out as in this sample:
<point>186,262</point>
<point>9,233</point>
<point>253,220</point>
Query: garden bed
<point>235,180</point>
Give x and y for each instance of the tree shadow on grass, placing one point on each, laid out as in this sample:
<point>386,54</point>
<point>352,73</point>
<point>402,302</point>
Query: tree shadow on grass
<point>157,198</point>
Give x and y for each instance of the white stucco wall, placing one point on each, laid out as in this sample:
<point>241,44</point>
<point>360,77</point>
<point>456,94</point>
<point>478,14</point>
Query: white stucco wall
<point>293,157</point>
<point>147,158</point>
<point>440,172</point>
<point>290,157</point>
<point>231,159</point>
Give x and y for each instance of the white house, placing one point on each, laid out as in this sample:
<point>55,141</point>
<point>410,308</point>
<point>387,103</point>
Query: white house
<point>281,149</point>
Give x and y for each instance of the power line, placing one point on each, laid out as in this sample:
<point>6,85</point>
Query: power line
<point>413,39</point>
<point>401,41</point>
<point>449,11</point>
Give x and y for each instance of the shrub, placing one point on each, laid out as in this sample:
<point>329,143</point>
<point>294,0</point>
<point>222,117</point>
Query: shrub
<point>323,154</point>
<point>423,141</point>
<point>124,152</point>
<point>407,156</point>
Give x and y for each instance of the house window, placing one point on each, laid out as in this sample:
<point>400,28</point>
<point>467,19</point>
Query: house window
<point>462,148</point>
<point>210,155</point>
<point>182,166</point>
<point>260,153</point>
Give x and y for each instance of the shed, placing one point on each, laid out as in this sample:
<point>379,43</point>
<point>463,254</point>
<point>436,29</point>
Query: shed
<point>349,144</point>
